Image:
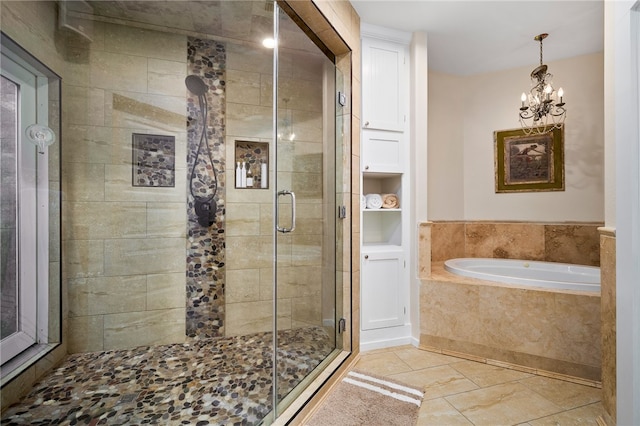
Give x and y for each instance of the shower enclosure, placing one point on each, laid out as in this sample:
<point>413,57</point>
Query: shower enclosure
<point>201,157</point>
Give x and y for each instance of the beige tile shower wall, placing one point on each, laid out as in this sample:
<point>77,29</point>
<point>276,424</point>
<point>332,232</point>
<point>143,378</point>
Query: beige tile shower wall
<point>576,243</point>
<point>248,304</point>
<point>124,245</point>
<point>249,219</point>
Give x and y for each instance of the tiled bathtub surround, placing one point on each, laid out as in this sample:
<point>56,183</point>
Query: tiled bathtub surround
<point>208,381</point>
<point>555,331</point>
<point>576,243</point>
<point>206,245</point>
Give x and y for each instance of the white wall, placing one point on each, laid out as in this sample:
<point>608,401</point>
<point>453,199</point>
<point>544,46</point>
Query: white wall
<point>419,95</point>
<point>622,36</point>
<point>478,105</point>
<point>609,120</point>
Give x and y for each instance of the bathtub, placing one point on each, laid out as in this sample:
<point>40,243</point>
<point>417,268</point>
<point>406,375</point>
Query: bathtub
<point>502,313</point>
<point>528,273</point>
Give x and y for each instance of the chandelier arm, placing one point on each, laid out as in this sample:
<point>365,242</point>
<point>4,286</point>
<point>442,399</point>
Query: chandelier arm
<point>558,114</point>
<point>527,115</point>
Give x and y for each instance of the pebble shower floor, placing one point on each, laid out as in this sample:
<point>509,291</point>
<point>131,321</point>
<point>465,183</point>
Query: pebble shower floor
<point>205,382</point>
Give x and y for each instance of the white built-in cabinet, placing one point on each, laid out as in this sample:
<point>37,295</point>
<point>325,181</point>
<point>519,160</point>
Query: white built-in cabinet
<point>384,298</point>
<point>382,304</point>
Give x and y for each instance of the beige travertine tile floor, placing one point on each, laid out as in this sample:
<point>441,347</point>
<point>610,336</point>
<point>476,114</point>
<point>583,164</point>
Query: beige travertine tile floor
<point>462,392</point>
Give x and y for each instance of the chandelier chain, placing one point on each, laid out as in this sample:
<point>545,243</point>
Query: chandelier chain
<point>540,51</point>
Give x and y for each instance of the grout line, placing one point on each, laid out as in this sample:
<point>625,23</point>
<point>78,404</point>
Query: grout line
<point>458,411</point>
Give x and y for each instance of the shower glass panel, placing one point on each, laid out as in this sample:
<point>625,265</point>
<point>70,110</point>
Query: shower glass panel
<point>305,279</point>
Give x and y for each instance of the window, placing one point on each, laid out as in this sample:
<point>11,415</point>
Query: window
<point>24,208</point>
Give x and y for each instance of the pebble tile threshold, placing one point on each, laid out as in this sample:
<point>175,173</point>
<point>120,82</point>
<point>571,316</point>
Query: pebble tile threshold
<point>204,382</point>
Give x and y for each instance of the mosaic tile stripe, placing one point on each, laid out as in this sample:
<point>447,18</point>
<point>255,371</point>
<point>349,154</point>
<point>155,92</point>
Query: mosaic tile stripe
<point>205,246</point>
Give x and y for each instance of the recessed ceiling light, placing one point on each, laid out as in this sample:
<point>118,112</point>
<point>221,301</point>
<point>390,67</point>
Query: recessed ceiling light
<point>269,43</point>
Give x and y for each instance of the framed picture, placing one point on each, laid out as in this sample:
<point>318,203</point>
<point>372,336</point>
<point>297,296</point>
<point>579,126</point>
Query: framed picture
<point>252,165</point>
<point>154,160</point>
<point>529,163</point>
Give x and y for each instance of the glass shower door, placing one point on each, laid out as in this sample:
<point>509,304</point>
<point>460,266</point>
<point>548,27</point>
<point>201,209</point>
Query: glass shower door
<point>305,209</point>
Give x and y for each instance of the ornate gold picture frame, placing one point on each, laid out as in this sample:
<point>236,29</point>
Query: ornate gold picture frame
<point>529,163</point>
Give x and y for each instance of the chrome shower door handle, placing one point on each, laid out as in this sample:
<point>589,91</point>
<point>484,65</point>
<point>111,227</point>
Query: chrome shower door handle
<point>293,211</point>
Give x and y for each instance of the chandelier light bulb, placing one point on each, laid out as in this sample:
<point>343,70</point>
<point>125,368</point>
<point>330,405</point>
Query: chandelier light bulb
<point>560,95</point>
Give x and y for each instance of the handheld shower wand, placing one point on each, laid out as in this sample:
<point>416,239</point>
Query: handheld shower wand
<point>205,206</point>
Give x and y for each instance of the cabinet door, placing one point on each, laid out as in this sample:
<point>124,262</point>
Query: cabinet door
<point>381,288</point>
<point>384,78</point>
<point>382,152</point>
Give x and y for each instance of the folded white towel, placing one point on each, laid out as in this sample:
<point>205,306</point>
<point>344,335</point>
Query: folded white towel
<point>363,202</point>
<point>374,201</point>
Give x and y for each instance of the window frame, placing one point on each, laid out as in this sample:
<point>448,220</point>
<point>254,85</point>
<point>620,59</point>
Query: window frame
<point>32,215</point>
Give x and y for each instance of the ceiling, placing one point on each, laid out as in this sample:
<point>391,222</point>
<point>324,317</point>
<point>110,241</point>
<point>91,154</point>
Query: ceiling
<point>238,20</point>
<point>475,36</point>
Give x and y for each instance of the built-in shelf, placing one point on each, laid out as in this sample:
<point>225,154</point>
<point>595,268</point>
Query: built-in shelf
<point>380,247</point>
<point>380,175</point>
<point>382,227</point>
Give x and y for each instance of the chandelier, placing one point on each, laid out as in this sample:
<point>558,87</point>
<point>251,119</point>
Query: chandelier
<point>543,108</point>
